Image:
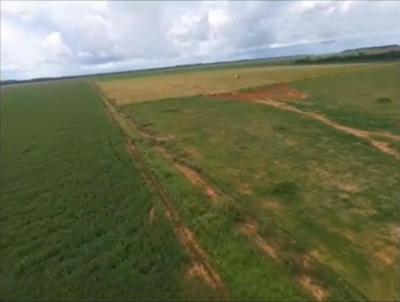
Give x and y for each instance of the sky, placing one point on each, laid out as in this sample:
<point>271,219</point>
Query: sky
<point>56,38</point>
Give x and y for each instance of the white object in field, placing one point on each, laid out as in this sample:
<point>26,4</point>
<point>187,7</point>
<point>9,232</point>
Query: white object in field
<point>236,76</point>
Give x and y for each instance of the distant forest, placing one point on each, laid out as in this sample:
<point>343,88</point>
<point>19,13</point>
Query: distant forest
<point>359,57</point>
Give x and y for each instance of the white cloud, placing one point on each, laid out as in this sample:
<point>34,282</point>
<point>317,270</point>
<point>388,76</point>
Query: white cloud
<point>218,17</point>
<point>48,38</point>
<point>54,47</point>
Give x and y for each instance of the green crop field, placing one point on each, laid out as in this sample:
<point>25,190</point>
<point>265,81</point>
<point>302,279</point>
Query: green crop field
<point>74,206</point>
<point>281,184</point>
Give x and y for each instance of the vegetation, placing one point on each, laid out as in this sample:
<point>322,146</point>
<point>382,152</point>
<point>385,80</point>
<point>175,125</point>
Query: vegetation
<point>313,190</point>
<point>351,98</point>
<point>129,90</point>
<point>393,55</point>
<point>278,190</point>
<point>74,207</point>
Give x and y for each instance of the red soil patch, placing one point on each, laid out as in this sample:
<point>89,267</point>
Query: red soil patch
<point>318,292</point>
<point>202,269</point>
<point>196,180</point>
<point>271,204</point>
<point>388,255</point>
<point>250,229</point>
<point>190,174</point>
<point>280,91</point>
<point>309,260</point>
<point>310,284</point>
<point>199,271</point>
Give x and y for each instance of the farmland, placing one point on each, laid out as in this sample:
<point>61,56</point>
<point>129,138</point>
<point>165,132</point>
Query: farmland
<point>275,183</point>
<point>75,210</point>
<point>125,90</point>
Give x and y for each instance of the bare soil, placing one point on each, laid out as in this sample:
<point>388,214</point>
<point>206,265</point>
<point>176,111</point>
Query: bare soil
<point>199,271</point>
<point>306,262</point>
<point>194,177</point>
<point>387,255</point>
<point>272,205</point>
<point>281,91</point>
<point>250,230</point>
<point>316,290</point>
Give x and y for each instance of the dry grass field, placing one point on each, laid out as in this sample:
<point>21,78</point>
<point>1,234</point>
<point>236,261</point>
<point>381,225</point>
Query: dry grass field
<point>189,83</point>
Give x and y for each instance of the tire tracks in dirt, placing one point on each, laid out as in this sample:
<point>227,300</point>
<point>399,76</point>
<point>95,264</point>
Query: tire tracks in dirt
<point>363,134</point>
<point>186,237</point>
<point>201,263</point>
<point>277,91</point>
<point>248,228</point>
<point>193,176</point>
<point>306,274</point>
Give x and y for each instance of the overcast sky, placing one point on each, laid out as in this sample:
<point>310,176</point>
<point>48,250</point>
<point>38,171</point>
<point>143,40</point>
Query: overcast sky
<point>62,38</point>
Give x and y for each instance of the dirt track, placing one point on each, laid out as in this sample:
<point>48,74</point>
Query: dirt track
<point>368,135</point>
<point>270,96</point>
<point>188,240</point>
<point>249,229</point>
<point>201,266</point>
<point>185,236</point>
<point>195,178</point>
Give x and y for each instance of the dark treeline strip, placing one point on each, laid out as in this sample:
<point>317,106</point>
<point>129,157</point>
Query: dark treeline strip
<point>360,57</point>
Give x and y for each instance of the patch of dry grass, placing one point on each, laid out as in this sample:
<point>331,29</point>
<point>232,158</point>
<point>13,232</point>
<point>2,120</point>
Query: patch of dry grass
<point>141,89</point>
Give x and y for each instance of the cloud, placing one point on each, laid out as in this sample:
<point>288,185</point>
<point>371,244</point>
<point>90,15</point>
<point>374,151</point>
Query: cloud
<point>53,45</point>
<point>44,38</point>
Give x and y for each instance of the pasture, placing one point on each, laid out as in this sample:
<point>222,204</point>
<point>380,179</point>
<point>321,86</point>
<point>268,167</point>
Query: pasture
<point>313,191</point>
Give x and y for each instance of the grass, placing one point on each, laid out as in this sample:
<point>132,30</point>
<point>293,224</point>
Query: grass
<point>189,83</point>
<point>75,222</point>
<point>248,274</point>
<point>336,196</point>
<point>365,99</point>
<point>74,207</point>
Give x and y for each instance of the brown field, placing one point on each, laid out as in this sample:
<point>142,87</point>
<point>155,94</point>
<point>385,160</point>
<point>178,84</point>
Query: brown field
<point>189,83</point>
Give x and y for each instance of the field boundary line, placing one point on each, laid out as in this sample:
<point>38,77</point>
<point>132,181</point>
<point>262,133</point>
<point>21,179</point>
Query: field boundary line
<point>186,237</point>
